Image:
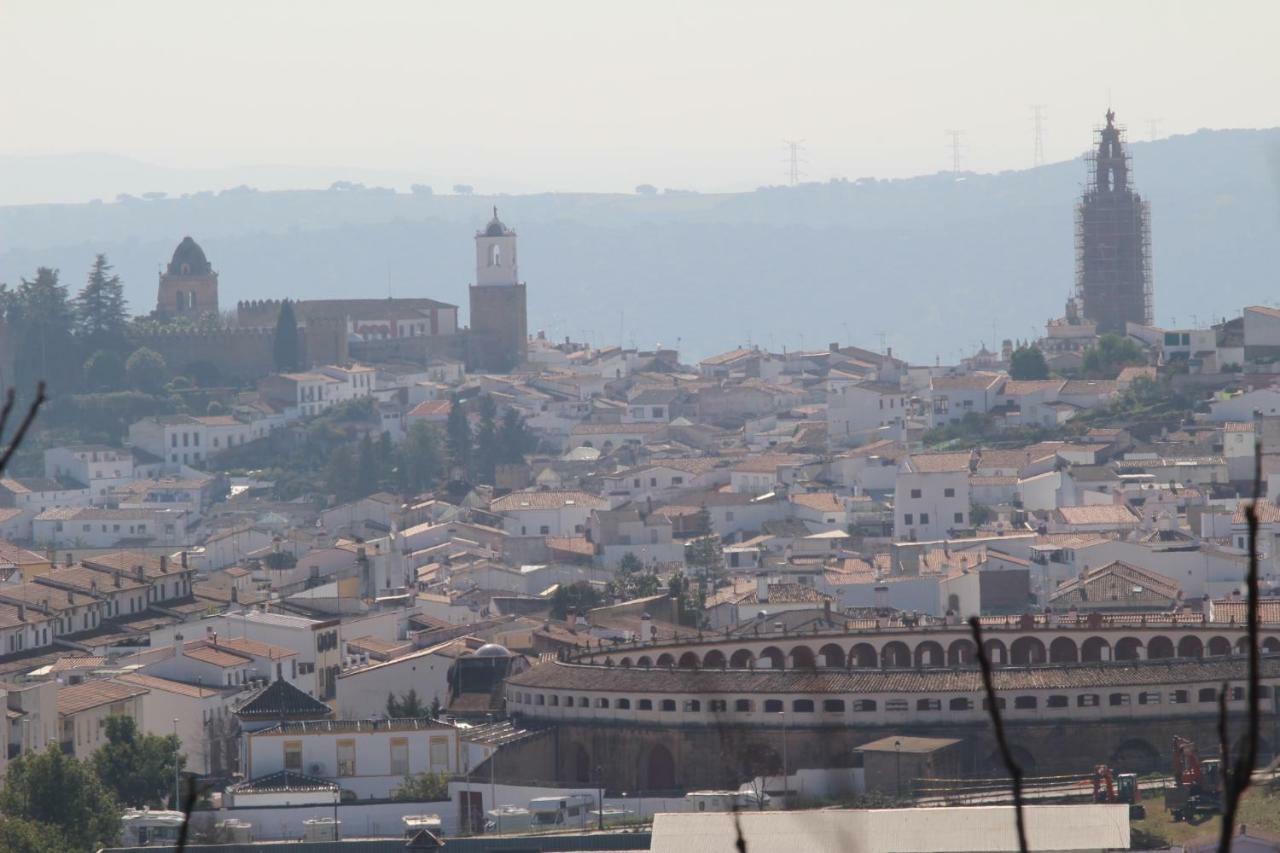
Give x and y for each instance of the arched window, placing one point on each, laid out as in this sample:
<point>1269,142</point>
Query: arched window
<point>1058,702</point>
<point>623,704</point>
<point>802,706</point>
<point>773,706</point>
<point>692,705</point>
<point>495,255</point>
<point>668,704</point>
<point>644,705</point>
<point>833,706</point>
<point>743,706</point>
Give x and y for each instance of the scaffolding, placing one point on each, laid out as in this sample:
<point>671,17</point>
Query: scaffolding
<point>1113,238</point>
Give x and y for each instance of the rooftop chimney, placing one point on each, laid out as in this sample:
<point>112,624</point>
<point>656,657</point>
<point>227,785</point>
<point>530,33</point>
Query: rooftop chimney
<point>22,613</point>
<point>183,558</point>
<point>762,589</point>
<point>116,576</point>
<point>66,559</point>
<point>177,646</point>
<point>164,564</point>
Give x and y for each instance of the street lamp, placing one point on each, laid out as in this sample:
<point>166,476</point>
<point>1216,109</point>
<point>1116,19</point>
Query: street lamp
<point>177,798</point>
<point>897,772</point>
<point>600,798</point>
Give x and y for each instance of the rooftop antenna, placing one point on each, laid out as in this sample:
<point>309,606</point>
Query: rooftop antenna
<point>884,341</point>
<point>1153,128</point>
<point>1038,117</point>
<point>955,150</point>
<point>795,147</point>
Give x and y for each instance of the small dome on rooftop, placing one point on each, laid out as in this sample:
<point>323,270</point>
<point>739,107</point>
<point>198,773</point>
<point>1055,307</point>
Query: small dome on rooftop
<point>492,650</point>
<point>495,228</point>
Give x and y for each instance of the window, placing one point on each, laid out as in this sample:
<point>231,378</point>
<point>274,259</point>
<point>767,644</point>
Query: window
<point>960,703</point>
<point>743,706</point>
<point>1025,703</point>
<point>924,518</point>
<point>584,702</point>
<point>602,702</point>
<point>1087,700</point>
<point>1237,694</point>
<point>544,530</point>
<point>1179,697</point>
<point>400,756</point>
<point>438,752</point>
<point>1000,703</point>
<point>928,704</point>
<point>644,705</point>
<point>540,699</point>
<point>948,493</point>
<point>1058,702</point>
<point>833,706</point>
<point>906,519</point>
<point>555,700</point>
<point>1208,694</point>
<point>717,706</point>
<point>864,706</point>
<point>1149,697</point>
<point>773,706</point>
<point>802,706</point>
<point>896,705</point>
<point>915,493</point>
<point>293,755</point>
<point>668,704</point>
<point>959,518</point>
<point>676,481</point>
<point>1117,699</point>
<point>623,704</point>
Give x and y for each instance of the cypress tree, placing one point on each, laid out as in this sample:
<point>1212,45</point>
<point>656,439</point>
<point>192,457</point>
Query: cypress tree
<point>285,347</point>
<point>101,314</point>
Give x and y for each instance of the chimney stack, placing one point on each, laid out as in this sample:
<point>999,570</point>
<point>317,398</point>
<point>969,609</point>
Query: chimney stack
<point>183,558</point>
<point>119,580</point>
<point>762,589</point>
<point>22,613</point>
<point>66,559</point>
<point>164,564</point>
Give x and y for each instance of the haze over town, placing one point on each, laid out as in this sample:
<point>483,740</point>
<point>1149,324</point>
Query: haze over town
<point>682,427</point>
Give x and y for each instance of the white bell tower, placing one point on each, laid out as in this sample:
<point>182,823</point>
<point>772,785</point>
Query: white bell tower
<point>496,255</point>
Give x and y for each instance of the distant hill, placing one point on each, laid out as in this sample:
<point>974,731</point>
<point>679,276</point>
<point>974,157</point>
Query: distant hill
<point>933,262</point>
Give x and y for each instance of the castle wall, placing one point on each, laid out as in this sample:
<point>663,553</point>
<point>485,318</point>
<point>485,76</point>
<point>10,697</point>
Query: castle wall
<point>244,355</point>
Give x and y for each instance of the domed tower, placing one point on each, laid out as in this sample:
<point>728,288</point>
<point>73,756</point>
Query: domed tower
<point>188,286</point>
<point>499,333</point>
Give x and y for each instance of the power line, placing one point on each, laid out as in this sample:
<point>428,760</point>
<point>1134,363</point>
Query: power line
<point>795,150</point>
<point>955,149</point>
<point>1038,116</point>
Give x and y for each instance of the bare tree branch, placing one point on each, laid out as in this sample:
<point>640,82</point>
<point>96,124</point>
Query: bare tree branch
<point>1238,776</point>
<point>21,432</point>
<point>997,722</point>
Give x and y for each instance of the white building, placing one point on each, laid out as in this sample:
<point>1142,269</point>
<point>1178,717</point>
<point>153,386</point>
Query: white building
<point>99,467</point>
<point>931,495</point>
<point>857,410</point>
<point>188,440</point>
<point>92,527</point>
<point>546,513</point>
<point>368,757</point>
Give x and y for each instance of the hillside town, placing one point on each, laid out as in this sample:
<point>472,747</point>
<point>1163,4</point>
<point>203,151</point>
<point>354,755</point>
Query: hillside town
<point>381,574</point>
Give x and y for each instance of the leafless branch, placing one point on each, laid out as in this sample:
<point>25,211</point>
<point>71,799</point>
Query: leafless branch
<point>21,432</point>
<point>1236,781</point>
<point>997,722</point>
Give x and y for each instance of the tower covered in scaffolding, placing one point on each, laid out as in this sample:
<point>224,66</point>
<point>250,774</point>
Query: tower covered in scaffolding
<point>1113,239</point>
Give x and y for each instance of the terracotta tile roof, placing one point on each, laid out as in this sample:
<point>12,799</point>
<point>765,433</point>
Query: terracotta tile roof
<point>1236,610</point>
<point>821,501</point>
<point>1121,582</point>
<point>768,463</point>
<point>1113,514</point>
<point>972,382</point>
<point>10,553</point>
<point>1089,386</point>
<point>1268,513</point>
<point>168,685</point>
<point>213,655</point>
<point>937,463</point>
<point>257,649</point>
<point>282,781</point>
<point>556,675</point>
<point>431,409</point>
<point>93,694</point>
<point>1019,387</point>
<point>571,545</point>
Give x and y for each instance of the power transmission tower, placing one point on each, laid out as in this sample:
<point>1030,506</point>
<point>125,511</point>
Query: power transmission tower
<point>795,148</point>
<point>955,150</point>
<point>1038,117</point>
<point>1153,128</point>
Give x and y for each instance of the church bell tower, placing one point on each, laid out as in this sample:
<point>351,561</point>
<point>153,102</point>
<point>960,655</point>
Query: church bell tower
<point>499,324</point>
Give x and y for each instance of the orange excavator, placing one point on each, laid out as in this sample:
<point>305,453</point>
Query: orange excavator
<point>1197,791</point>
<point>1111,787</point>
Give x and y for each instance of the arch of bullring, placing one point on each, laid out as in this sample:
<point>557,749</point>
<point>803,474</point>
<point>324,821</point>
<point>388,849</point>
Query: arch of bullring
<point>713,710</point>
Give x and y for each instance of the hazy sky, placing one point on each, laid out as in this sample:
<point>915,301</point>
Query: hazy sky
<point>599,95</point>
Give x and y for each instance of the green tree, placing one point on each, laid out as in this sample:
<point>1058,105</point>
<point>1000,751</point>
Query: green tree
<point>146,370</point>
<point>425,787</point>
<point>285,347</point>
<point>53,789</point>
<point>43,321</point>
<point>406,705</point>
<point>104,371</point>
<point>486,454</point>
<point>457,430</point>
<point>578,597</point>
<point>705,554</point>
<point>1110,355</point>
<point>366,468</point>
<point>138,768</point>
<point>1027,362</point>
<point>18,835</point>
<point>420,459</point>
<point>514,438</point>
<point>340,474</point>
<point>101,313</point>
<point>629,563</point>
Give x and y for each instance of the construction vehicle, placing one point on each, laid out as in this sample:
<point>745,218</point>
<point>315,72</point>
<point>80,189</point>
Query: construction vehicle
<point>1197,791</point>
<point>1111,787</point>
